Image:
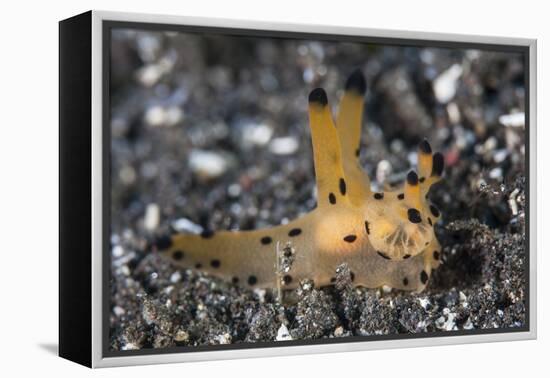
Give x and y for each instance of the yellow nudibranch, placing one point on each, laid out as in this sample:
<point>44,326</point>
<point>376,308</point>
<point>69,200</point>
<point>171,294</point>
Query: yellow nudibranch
<point>385,238</point>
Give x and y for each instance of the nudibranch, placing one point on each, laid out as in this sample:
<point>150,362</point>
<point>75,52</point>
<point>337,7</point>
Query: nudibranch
<point>385,237</point>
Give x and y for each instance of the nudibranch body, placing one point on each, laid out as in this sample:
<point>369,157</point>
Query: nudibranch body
<point>385,238</point>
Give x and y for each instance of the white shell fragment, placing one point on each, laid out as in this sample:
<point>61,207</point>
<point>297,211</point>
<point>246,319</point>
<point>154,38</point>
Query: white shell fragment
<point>186,226</point>
<point>152,217</point>
<point>445,85</point>
<point>207,164</point>
<point>512,120</point>
<point>383,171</point>
<point>161,116</point>
<point>283,334</point>
<point>256,134</point>
<point>284,146</point>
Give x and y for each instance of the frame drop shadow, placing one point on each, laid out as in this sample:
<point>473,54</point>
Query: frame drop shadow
<point>52,348</point>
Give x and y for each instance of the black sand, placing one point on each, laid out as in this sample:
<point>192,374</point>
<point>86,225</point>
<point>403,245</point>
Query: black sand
<point>235,100</point>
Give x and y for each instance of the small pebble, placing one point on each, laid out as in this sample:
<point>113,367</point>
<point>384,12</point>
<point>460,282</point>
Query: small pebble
<point>158,116</point>
<point>234,190</point>
<point>152,217</point>
<point>119,311</point>
<point>284,146</point>
<point>117,251</point>
<point>181,336</point>
<point>150,74</point>
<point>207,164</point>
<point>125,270</point>
<point>260,294</point>
<point>500,155</point>
<point>175,277</point>
<point>454,112</point>
<point>496,173</point>
<point>283,334</point>
<point>512,120</point>
<point>445,85</point>
<point>127,175</point>
<point>512,202</point>
<point>424,302</point>
<point>383,171</point>
<point>256,134</point>
<point>185,225</point>
<point>468,325</point>
<point>224,338</point>
<point>130,346</point>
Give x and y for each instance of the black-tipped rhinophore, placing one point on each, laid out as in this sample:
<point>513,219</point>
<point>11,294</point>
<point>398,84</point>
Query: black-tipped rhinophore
<point>319,96</point>
<point>438,164</point>
<point>162,242</point>
<point>412,178</point>
<point>356,82</point>
<point>425,147</point>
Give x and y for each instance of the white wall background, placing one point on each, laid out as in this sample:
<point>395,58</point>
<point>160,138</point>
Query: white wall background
<point>28,186</point>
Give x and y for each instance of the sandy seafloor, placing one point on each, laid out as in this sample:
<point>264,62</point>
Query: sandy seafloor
<point>212,133</point>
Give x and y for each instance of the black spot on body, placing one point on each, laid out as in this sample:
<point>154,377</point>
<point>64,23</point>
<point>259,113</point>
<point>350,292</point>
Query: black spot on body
<point>430,221</point>
<point>421,179</point>
<point>438,163</point>
<point>163,242</point>
<point>252,280</point>
<point>357,152</point>
<point>343,186</point>
<point>287,279</point>
<point>435,211</point>
<point>177,255</point>
<point>207,234</point>
<point>367,227</point>
<point>295,232</point>
<point>406,256</point>
<point>235,280</point>
<point>215,263</point>
<point>332,198</point>
<point>412,178</point>
<point>414,215</point>
<point>405,281</point>
<point>350,238</point>
<point>352,276</point>
<point>356,82</point>
<point>424,277</point>
<point>378,196</point>
<point>401,196</point>
<point>332,279</point>
<point>383,255</point>
<point>436,255</point>
<point>318,96</point>
<point>266,240</point>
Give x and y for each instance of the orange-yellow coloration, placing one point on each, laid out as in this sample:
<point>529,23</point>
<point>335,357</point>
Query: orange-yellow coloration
<point>386,238</point>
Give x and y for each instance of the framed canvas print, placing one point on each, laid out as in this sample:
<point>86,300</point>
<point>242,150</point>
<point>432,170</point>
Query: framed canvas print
<point>233,189</point>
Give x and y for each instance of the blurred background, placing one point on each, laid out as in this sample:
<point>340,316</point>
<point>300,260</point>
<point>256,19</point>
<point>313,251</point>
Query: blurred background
<point>199,121</point>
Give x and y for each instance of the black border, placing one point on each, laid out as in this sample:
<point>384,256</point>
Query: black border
<point>75,189</point>
<point>108,25</point>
